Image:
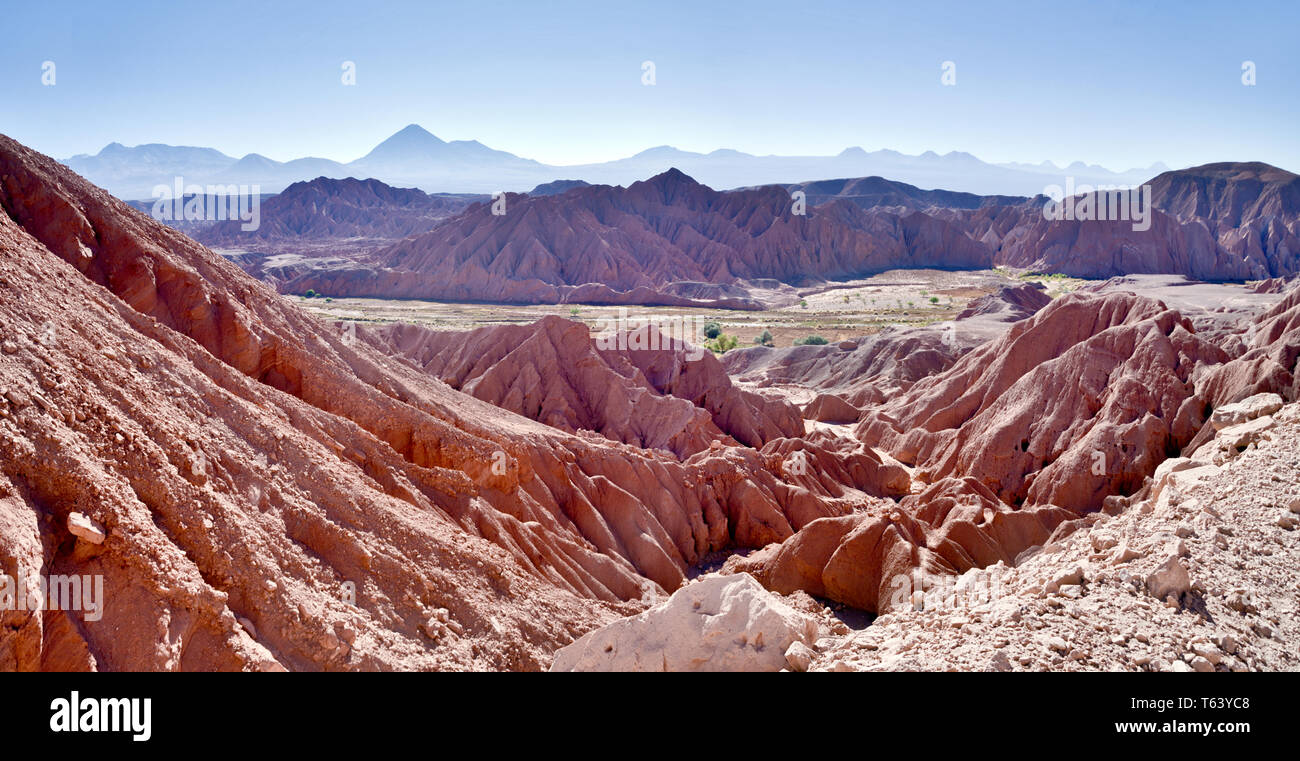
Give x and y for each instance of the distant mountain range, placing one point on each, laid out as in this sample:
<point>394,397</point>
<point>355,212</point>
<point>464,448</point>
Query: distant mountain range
<point>413,157</point>
<point>674,241</point>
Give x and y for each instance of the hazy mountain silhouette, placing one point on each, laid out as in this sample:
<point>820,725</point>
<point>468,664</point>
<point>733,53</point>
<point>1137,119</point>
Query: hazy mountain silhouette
<point>415,157</point>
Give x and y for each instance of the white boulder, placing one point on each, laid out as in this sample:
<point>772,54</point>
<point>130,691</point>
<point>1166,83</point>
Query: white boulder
<point>1247,409</point>
<point>718,623</point>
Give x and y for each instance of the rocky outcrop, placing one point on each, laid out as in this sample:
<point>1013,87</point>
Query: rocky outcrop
<point>1247,409</point>
<point>1063,416</point>
<point>1011,303</point>
<point>871,560</point>
<point>337,215</point>
<point>1078,403</point>
<point>1228,221</point>
<point>243,463</point>
<point>1270,348</point>
<point>1198,578</point>
<point>647,389</point>
<point>879,366</point>
<point>828,408</point>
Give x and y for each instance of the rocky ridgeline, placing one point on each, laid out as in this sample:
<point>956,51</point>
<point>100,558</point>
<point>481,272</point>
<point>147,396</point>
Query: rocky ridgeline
<point>338,214</point>
<point>669,395</point>
<point>1197,573</point>
<point>642,244</point>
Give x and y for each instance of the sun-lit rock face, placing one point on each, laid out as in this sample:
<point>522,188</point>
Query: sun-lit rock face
<point>643,387</point>
<point>720,623</point>
<point>1077,403</point>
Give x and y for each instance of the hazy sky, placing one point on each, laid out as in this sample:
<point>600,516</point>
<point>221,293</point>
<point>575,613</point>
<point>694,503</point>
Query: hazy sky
<point>1117,83</point>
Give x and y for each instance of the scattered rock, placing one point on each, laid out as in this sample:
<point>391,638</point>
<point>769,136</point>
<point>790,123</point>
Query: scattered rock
<point>84,528</point>
<point>1247,409</point>
<point>1169,580</point>
<point>798,656</point>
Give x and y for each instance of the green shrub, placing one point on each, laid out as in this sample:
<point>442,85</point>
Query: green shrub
<point>813,340</point>
<point>722,344</point>
<point>712,330</point>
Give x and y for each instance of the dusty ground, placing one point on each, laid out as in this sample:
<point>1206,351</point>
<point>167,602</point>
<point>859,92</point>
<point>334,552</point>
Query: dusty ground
<point>841,311</point>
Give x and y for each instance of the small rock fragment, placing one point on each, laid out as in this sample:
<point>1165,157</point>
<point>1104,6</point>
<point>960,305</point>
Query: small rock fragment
<point>799,656</point>
<point>1169,580</point>
<point>84,528</point>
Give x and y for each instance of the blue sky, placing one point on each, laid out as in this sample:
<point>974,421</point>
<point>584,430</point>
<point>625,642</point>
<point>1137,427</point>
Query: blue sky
<point>1117,83</point>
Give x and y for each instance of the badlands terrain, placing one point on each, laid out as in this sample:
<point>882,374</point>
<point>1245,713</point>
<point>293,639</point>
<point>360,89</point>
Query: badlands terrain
<point>1024,444</point>
<point>672,241</point>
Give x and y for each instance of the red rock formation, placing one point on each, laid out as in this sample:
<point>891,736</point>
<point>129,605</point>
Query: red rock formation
<point>880,365</point>
<point>828,408</point>
<point>1010,303</point>
<point>246,462</point>
<point>337,215</point>
<point>876,559</point>
<point>1275,285</point>
<point>884,364</point>
<point>604,244</point>
<point>249,466</point>
<point>665,396</point>
<point>641,239</point>
<point>1031,430</point>
<point>1268,361</point>
<point>1214,222</point>
<point>1079,402</point>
